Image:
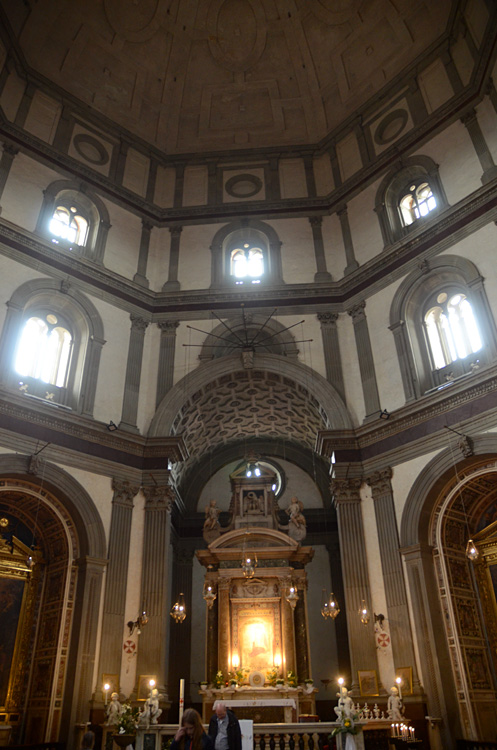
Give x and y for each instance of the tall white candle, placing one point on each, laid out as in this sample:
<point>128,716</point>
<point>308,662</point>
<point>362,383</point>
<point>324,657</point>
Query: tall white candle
<point>181,699</point>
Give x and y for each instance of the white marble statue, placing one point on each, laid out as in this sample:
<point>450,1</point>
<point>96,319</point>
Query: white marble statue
<point>345,707</point>
<point>395,707</point>
<point>151,710</point>
<point>212,528</point>
<point>297,527</point>
<point>113,710</point>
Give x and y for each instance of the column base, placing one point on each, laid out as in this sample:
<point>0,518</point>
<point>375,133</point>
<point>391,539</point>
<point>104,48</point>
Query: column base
<point>350,267</point>
<point>322,277</point>
<point>171,286</point>
<point>138,278</point>
<point>489,175</point>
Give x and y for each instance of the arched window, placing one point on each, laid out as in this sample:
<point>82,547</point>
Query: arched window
<point>68,223</point>
<point>441,322</point>
<point>245,253</point>
<point>44,350</point>
<point>451,329</point>
<point>418,201</point>
<point>408,196</point>
<point>74,219</point>
<point>247,264</point>
<point>50,345</point>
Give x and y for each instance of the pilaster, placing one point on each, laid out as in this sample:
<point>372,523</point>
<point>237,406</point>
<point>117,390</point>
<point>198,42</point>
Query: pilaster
<point>8,154</point>
<point>166,358</point>
<point>211,657</point>
<point>140,276</point>
<point>355,576</point>
<point>172,284</point>
<point>152,656</point>
<point>322,273</point>
<point>393,576</point>
<point>366,362</point>
<point>180,633</point>
<point>224,632</point>
<point>287,627</point>
<point>116,578</point>
<point>352,264</point>
<point>470,121</point>
<point>331,348</point>
<point>133,374</point>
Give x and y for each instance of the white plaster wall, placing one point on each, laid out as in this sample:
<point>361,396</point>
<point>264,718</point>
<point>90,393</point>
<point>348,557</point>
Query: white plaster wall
<point>354,397</point>
<point>112,372</point>
<point>311,353</point>
<point>386,362</point>
<point>12,94</point>
<point>136,170</point>
<point>43,116</point>
<point>435,86</point>
<point>195,186</point>
<point>323,175</point>
<point>23,194</point>
<point>13,276</point>
<point>334,250</point>
<point>322,632</point>
<point>404,476</point>
<point>292,178</point>
<point>158,258</point>
<point>364,224</point>
<point>349,157</point>
<point>476,15</point>
<point>100,490</point>
<point>460,170</point>
<point>148,382</point>
<point>123,241</point>
<point>297,250</point>
<point>164,186</point>
<point>378,601</point>
<point>188,346</point>
<point>195,257</point>
<point>463,59</point>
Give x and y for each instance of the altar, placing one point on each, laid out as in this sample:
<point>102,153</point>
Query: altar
<point>263,706</point>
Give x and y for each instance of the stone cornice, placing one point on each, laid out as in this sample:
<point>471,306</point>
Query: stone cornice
<point>83,442</point>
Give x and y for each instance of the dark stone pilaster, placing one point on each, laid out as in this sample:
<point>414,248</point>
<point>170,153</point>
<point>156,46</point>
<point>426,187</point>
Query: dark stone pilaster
<point>166,358</point>
<point>172,284</point>
<point>366,363</point>
<point>470,121</point>
<point>140,276</point>
<point>331,348</point>
<point>322,273</point>
<point>133,374</point>
<point>181,633</point>
<point>8,155</point>
<point>352,264</point>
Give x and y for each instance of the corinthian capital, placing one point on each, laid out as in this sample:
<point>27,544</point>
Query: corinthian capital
<point>345,490</point>
<point>160,497</point>
<point>380,483</point>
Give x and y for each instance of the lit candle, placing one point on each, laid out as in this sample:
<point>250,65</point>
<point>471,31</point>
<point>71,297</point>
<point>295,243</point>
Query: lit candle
<point>398,680</point>
<point>341,681</point>
<point>181,699</point>
<point>106,688</point>
<point>393,730</point>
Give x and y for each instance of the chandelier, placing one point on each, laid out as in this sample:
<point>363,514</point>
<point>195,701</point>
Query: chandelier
<point>249,564</point>
<point>178,610</point>
<point>329,607</point>
<point>363,613</point>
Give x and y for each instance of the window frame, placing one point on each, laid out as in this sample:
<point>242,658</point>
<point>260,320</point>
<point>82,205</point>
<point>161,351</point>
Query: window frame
<point>256,234</point>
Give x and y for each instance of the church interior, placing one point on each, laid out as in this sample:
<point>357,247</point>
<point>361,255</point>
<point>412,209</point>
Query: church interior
<point>248,361</point>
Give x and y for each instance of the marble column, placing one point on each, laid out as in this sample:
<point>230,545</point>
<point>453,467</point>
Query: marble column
<point>172,284</point>
<point>470,121</point>
<point>116,579</point>
<point>393,575</point>
<point>348,245</point>
<point>331,348</point>
<point>167,349</point>
<point>180,633</point>
<point>152,656</point>
<point>140,276</point>
<point>366,362</point>
<point>355,576</point>
<point>224,631</point>
<point>133,374</point>
<point>8,155</point>
<point>322,274</point>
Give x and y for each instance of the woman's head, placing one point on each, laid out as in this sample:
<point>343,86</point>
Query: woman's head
<point>192,723</point>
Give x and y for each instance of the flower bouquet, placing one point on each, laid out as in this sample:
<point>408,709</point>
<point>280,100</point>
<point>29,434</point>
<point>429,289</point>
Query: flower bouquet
<point>127,725</point>
<point>347,728</point>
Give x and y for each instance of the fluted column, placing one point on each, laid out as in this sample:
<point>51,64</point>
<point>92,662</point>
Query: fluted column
<point>117,577</point>
<point>152,655</point>
<point>133,374</point>
<point>140,276</point>
<point>470,121</point>
<point>352,264</point>
<point>167,349</point>
<point>322,273</point>
<point>393,575</point>
<point>366,362</point>
<point>224,632</point>
<point>180,633</point>
<point>331,348</point>
<point>172,284</point>
<point>355,575</point>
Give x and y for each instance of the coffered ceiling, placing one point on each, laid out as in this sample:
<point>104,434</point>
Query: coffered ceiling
<point>201,75</point>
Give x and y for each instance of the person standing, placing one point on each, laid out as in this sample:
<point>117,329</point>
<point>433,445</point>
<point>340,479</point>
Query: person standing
<point>224,728</point>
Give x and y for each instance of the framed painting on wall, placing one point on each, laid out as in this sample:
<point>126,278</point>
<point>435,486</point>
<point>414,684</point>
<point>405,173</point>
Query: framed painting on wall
<point>368,682</point>
<point>405,673</point>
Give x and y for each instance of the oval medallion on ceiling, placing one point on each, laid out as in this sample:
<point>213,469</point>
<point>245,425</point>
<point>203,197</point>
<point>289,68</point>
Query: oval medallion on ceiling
<point>237,32</point>
<point>136,20</point>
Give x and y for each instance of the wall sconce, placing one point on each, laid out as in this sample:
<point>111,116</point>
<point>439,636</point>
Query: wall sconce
<point>111,426</point>
<point>379,618</point>
<point>329,607</point>
<point>138,624</point>
<point>178,610</point>
<point>363,613</point>
<point>292,596</point>
<point>209,594</point>
<point>384,414</point>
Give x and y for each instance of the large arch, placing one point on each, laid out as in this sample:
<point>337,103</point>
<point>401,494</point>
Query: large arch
<point>82,568</point>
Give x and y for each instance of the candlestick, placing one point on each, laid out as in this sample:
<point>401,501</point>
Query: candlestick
<point>181,699</point>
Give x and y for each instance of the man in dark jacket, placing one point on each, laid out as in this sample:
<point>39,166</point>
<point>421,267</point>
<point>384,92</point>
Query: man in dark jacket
<point>225,729</point>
